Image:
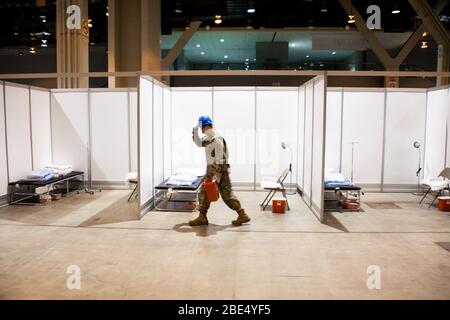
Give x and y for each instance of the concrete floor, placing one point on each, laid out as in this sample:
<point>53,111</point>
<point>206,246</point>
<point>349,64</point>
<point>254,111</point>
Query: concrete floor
<point>289,256</point>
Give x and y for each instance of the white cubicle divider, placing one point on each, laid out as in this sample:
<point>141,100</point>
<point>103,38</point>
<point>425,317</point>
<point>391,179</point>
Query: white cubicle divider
<point>362,136</point>
<point>70,129</point>
<point>109,136</point>
<point>405,124</point>
<point>41,129</point>
<point>20,157</point>
<point>301,137</point>
<point>276,122</point>
<point>234,115</point>
<point>133,128</point>
<point>308,140</point>
<point>318,155</point>
<point>145,137</point>
<point>3,151</point>
<point>436,132</point>
<point>384,124</point>
<point>158,133</point>
<point>167,132</point>
<point>188,104</point>
<point>312,102</point>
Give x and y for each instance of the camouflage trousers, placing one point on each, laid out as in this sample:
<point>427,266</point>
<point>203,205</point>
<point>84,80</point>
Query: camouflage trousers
<point>222,175</point>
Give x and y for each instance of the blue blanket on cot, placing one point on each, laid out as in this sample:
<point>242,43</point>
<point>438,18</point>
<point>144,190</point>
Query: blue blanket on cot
<point>336,180</point>
<point>40,175</point>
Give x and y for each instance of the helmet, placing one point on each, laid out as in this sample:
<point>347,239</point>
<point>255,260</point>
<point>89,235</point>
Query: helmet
<point>205,121</point>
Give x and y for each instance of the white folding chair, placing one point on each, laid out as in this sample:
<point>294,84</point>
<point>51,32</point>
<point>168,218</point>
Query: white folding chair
<point>132,179</point>
<point>437,185</point>
<point>274,185</point>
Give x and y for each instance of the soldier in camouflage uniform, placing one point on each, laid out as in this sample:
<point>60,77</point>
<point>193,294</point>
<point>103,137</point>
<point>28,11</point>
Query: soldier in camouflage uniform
<point>218,168</point>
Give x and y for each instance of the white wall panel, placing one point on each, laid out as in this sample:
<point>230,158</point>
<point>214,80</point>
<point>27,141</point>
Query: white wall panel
<point>301,136</point>
<point>134,130</point>
<point>41,128</point>
<point>3,159</point>
<point>308,139</point>
<point>167,112</point>
<point>277,114</point>
<point>234,115</point>
<point>333,136</point>
<point>405,123</point>
<point>158,134</point>
<point>146,141</point>
<point>18,132</point>
<point>187,106</point>
<point>437,112</point>
<point>110,143</point>
<point>318,146</point>
<point>70,129</point>
<point>363,123</point>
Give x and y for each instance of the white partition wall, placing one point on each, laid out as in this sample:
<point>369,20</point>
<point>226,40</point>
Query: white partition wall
<point>167,133</point>
<point>234,115</point>
<point>20,158</point>
<point>188,104</point>
<point>314,121</point>
<point>436,132</point>
<point>301,137</point>
<point>70,129</point>
<point>145,137</point>
<point>405,114</point>
<point>385,123</point>
<point>318,155</point>
<point>133,126</point>
<point>3,153</point>
<point>334,130</point>
<point>363,118</point>
<point>308,138</point>
<point>276,122</point>
<point>110,136</point>
<point>41,128</point>
<point>158,133</point>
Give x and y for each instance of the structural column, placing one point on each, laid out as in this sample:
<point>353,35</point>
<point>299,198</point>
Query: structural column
<point>134,31</point>
<point>443,64</point>
<point>73,43</point>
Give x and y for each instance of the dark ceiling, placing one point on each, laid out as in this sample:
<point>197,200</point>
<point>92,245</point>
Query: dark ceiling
<point>23,24</point>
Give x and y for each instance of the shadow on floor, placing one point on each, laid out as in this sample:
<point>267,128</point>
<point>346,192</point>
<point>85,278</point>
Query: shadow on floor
<point>201,231</point>
<point>120,211</point>
<point>331,221</point>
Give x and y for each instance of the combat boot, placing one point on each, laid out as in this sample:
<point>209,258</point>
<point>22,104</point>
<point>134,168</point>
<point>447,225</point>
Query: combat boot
<point>243,218</point>
<point>202,220</point>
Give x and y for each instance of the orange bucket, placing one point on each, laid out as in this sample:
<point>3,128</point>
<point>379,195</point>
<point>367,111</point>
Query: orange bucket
<point>279,205</point>
<point>212,190</point>
<point>444,204</point>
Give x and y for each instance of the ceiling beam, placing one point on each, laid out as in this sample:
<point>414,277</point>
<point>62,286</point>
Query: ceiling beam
<point>388,62</point>
<point>431,20</point>
<point>417,35</point>
<point>181,43</point>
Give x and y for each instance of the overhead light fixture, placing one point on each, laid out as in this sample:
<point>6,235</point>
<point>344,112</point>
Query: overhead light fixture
<point>32,50</point>
<point>20,53</point>
<point>198,46</point>
<point>251,8</point>
<point>226,57</point>
<point>202,53</point>
<point>90,25</point>
<point>218,19</point>
<point>333,53</point>
<point>323,8</point>
<point>247,60</point>
<point>293,45</point>
<point>44,45</point>
<point>307,57</point>
<point>424,34</point>
<point>396,9</point>
<point>351,19</point>
<point>107,11</point>
<point>424,45</point>
<point>16,33</point>
<point>222,40</point>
